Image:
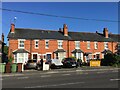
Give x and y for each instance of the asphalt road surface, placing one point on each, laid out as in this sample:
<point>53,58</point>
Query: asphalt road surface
<point>65,79</point>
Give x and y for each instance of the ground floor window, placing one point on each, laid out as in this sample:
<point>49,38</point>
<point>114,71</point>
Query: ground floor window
<point>78,56</point>
<point>20,57</point>
<point>60,55</point>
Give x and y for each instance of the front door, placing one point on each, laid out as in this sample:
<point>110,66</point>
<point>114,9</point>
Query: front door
<point>97,56</point>
<point>35,56</point>
<point>48,57</point>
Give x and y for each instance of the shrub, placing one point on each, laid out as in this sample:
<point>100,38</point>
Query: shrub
<point>110,60</point>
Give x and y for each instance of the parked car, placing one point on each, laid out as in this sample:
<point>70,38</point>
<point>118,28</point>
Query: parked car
<point>69,62</point>
<point>31,64</point>
<point>54,63</point>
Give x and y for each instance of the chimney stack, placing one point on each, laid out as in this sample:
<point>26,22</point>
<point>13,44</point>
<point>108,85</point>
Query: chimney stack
<point>65,30</point>
<point>105,32</point>
<point>2,37</point>
<point>12,28</point>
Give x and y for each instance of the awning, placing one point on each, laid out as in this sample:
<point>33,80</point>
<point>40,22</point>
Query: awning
<point>20,51</point>
<point>106,51</point>
<point>77,51</point>
<point>59,50</point>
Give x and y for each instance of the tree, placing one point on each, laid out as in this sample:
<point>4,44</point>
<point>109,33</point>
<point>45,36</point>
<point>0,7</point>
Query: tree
<point>5,54</point>
<point>6,50</point>
<point>118,48</point>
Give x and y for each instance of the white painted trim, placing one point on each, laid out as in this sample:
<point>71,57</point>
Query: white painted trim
<point>105,44</point>
<point>19,43</point>
<point>88,42</point>
<point>21,39</point>
<point>36,44</point>
<point>75,44</point>
<point>59,40</point>
<point>96,53</point>
<point>45,44</point>
<point>95,45</point>
<point>48,52</point>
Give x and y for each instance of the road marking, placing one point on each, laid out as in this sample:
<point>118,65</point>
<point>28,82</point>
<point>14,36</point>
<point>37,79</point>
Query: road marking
<point>116,79</point>
<point>45,76</point>
<point>63,84</point>
<point>22,77</point>
<point>66,74</point>
<point>52,72</point>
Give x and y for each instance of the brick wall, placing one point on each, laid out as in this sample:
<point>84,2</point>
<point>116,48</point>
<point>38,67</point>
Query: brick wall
<point>68,46</point>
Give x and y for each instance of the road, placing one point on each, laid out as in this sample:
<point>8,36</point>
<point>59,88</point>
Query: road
<point>64,79</point>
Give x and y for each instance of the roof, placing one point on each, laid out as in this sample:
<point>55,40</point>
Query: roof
<point>86,36</point>
<point>106,51</point>
<point>59,50</point>
<point>115,37</point>
<point>20,51</point>
<point>21,33</point>
<point>24,33</point>
<point>77,51</point>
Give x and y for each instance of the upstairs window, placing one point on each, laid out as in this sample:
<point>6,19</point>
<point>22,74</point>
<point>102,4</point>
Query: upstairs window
<point>47,44</point>
<point>88,44</point>
<point>21,43</point>
<point>95,45</point>
<point>60,44</point>
<point>77,44</point>
<point>106,45</point>
<point>36,43</point>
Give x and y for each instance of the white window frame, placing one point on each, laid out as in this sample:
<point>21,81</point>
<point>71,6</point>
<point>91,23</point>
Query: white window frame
<point>25,58</point>
<point>96,45</point>
<point>46,44</point>
<point>19,44</point>
<point>77,44</point>
<point>106,45</point>
<point>36,44</point>
<point>88,44</point>
<point>60,44</point>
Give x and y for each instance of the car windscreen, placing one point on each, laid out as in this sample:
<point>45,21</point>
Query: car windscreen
<point>32,61</point>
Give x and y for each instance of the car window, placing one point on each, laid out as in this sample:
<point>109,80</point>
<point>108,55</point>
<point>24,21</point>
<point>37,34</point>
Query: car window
<point>32,61</point>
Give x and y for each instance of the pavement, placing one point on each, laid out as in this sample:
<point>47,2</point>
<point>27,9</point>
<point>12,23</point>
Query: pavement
<point>84,68</point>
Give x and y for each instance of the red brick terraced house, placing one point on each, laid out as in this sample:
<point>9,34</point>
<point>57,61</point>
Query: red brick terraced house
<point>27,44</point>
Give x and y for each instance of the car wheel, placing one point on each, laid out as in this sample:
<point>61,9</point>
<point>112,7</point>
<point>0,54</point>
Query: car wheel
<point>38,68</point>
